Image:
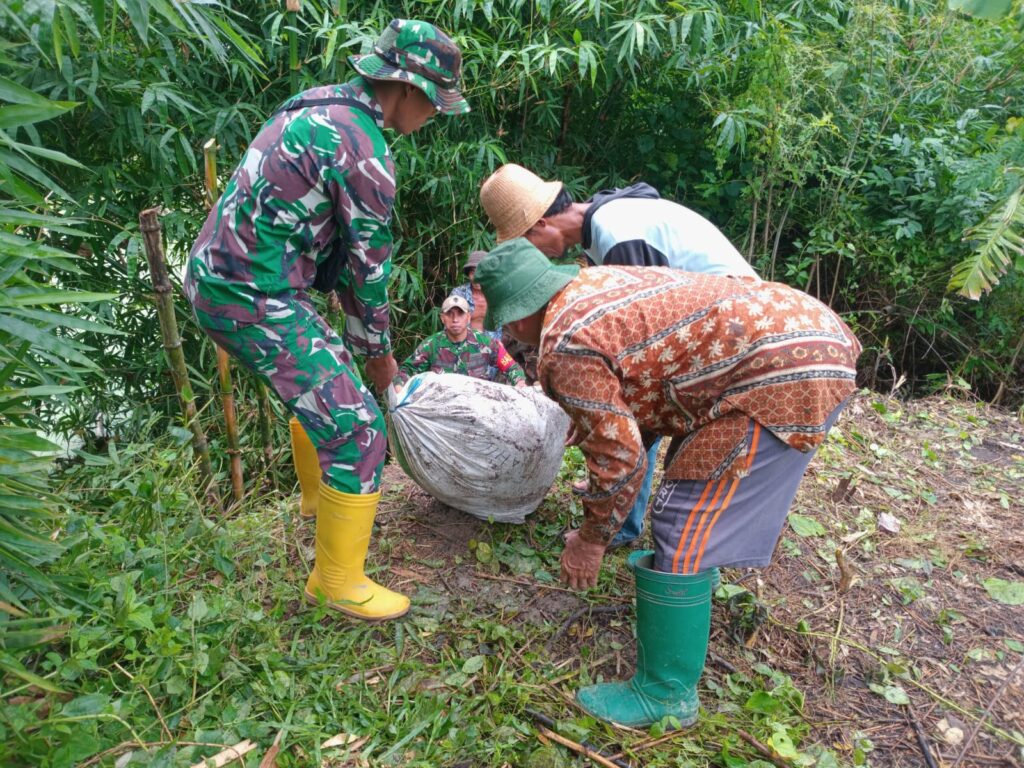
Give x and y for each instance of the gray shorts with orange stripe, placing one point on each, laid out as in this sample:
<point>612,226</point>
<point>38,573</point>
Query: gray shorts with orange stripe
<point>732,522</point>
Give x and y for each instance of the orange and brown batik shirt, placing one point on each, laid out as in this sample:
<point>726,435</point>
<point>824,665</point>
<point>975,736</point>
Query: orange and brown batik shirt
<point>630,352</point>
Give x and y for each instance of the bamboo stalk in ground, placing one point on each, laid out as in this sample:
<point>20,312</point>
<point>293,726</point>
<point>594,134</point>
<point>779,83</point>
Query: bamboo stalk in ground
<point>227,392</point>
<point>149,224</point>
<point>293,6</point>
<point>266,426</point>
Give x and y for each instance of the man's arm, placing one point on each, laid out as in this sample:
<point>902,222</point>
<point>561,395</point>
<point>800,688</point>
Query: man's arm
<point>363,204</point>
<point>590,392</point>
<point>507,364</point>
<point>419,361</point>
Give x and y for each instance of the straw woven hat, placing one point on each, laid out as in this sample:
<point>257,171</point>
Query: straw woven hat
<point>515,199</point>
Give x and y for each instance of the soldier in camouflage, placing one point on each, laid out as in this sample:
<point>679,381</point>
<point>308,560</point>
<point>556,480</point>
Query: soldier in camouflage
<point>310,206</point>
<point>461,349</point>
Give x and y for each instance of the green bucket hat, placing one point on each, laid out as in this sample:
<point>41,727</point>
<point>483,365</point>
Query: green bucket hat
<point>421,54</point>
<point>518,280</point>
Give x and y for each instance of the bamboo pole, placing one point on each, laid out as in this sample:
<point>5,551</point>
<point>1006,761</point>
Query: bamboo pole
<point>293,7</point>
<point>149,224</point>
<point>227,392</point>
<point>266,428</point>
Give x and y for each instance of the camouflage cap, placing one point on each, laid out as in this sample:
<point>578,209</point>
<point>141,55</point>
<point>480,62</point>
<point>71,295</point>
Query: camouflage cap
<point>421,54</point>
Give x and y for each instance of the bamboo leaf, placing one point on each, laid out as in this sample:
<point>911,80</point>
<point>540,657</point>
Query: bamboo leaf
<point>46,342</point>
<point>18,94</point>
<point>999,238</point>
<point>138,14</point>
<point>12,666</point>
<point>982,9</point>
<point>15,115</point>
<point>56,297</point>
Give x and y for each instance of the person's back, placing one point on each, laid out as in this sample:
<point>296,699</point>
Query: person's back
<point>687,349</point>
<point>312,175</point>
<point>674,235</point>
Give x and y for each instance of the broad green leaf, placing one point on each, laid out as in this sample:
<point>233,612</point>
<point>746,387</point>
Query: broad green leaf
<point>18,94</point>
<point>138,13</point>
<point>1006,592</point>
<point>47,342</point>
<point>11,665</point>
<point>805,526</point>
<point>982,9</point>
<point>26,440</point>
<point>894,694</point>
<point>57,297</point>
<point>89,704</point>
<point>998,239</point>
<point>473,665</point>
<point>25,114</point>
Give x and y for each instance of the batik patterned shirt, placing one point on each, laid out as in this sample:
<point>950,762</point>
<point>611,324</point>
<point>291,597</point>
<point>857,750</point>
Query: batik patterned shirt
<point>631,352</point>
<point>311,176</point>
<point>475,356</point>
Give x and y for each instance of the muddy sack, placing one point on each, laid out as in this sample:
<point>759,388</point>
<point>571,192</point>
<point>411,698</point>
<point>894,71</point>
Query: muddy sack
<point>487,449</point>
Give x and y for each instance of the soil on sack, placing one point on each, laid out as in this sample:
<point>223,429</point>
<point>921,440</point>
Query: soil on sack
<point>875,604</point>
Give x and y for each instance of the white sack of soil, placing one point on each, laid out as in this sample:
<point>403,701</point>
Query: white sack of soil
<point>488,449</point>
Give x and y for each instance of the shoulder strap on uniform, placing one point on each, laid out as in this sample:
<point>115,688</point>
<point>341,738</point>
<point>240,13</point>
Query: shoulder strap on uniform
<point>347,101</point>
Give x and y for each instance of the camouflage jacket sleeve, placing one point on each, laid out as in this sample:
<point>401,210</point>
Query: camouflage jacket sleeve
<point>506,363</point>
<point>363,209</point>
<point>419,361</point>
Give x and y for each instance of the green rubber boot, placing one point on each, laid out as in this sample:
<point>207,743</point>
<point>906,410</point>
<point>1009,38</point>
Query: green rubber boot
<point>716,579</point>
<point>673,618</point>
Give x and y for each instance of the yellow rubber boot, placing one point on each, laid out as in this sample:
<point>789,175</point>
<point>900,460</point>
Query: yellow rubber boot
<point>307,467</point>
<point>343,525</point>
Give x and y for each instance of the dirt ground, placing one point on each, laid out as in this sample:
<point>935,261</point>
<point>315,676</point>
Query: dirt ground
<point>859,600</point>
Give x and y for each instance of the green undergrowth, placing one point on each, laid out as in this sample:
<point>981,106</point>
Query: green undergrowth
<point>178,634</point>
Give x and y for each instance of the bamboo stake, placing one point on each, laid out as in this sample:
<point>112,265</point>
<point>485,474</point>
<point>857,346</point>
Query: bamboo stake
<point>266,427</point>
<point>227,392</point>
<point>293,7</point>
<point>149,224</point>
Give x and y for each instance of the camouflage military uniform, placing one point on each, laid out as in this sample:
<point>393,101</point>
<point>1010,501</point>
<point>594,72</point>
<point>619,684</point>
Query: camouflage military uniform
<point>476,355</point>
<point>310,176</point>
<point>311,202</point>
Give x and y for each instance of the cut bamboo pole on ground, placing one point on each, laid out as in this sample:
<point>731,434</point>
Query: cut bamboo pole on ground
<point>229,755</point>
<point>227,391</point>
<point>149,224</point>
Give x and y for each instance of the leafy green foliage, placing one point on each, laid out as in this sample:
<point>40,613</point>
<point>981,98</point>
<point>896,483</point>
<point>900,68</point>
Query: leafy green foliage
<point>999,241</point>
<point>846,148</point>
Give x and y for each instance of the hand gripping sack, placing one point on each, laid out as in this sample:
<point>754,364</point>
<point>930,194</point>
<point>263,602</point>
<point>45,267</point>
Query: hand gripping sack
<point>487,449</point>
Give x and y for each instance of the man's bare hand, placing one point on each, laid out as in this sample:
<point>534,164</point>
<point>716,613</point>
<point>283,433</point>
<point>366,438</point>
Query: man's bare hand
<point>572,437</point>
<point>581,561</point>
<point>381,370</point>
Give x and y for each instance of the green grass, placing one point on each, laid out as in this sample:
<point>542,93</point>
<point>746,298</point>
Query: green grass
<point>183,631</point>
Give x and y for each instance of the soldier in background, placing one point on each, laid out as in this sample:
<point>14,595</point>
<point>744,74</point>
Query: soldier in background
<point>310,206</point>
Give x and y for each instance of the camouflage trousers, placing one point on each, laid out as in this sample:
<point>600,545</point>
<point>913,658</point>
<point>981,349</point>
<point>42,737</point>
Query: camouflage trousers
<point>308,366</point>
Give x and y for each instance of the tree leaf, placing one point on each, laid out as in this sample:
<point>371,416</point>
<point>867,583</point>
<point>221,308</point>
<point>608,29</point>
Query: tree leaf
<point>894,694</point>
<point>982,9</point>
<point>1005,592</point>
<point>805,526</point>
<point>16,115</point>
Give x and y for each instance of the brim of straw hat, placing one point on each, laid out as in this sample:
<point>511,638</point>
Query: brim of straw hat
<point>513,215</point>
<point>448,101</point>
<point>531,298</point>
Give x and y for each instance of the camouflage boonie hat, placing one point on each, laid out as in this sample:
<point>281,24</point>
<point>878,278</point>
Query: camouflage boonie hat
<point>421,54</point>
